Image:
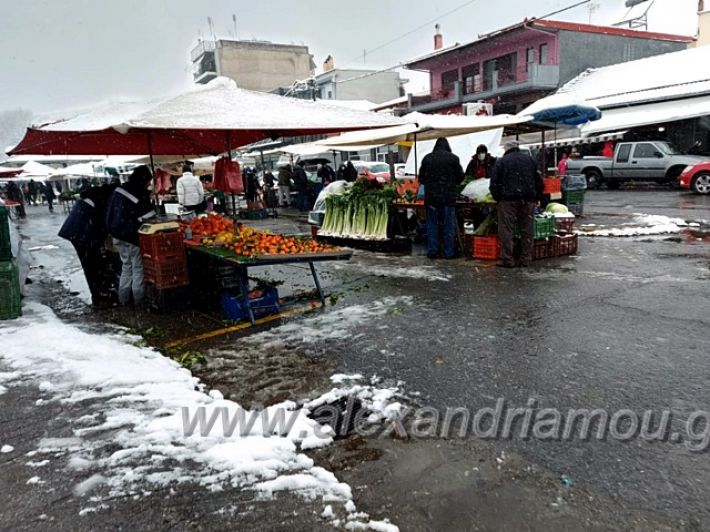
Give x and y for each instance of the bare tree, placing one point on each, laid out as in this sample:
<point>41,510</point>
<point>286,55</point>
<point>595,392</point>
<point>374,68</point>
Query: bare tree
<point>13,123</point>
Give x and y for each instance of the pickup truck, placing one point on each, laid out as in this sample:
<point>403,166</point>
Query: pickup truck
<point>634,161</point>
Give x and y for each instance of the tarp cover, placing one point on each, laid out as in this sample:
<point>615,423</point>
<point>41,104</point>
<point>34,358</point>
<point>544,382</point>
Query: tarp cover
<point>207,120</point>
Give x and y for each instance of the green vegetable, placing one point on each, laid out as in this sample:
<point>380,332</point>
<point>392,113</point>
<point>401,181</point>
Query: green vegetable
<point>556,208</point>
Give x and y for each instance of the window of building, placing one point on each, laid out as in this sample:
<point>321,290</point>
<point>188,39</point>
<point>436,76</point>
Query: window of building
<point>448,81</point>
<point>471,79</point>
<point>500,72</point>
<point>624,152</point>
<point>645,150</point>
<point>529,58</point>
<point>330,95</point>
<point>544,54</point>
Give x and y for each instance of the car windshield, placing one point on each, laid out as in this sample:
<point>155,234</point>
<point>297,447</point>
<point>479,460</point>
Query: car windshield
<point>669,149</point>
<point>378,168</point>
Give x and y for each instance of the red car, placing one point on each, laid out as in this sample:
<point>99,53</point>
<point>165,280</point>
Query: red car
<point>373,170</point>
<point>696,178</point>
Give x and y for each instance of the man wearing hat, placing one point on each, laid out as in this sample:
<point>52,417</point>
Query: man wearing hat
<point>517,186</point>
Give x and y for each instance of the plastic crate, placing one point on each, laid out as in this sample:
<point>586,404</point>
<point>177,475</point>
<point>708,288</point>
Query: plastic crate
<point>168,299</point>
<point>573,197</point>
<point>551,185</point>
<point>5,245</point>
<point>162,246</point>
<point>486,247</point>
<point>254,214</point>
<point>576,208</point>
<point>564,225</point>
<point>166,274</point>
<point>542,249</point>
<point>543,226</point>
<point>235,308</point>
<point>574,182</point>
<point>565,245</point>
<point>10,295</point>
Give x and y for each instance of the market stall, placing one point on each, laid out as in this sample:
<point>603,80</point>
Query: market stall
<point>209,258</point>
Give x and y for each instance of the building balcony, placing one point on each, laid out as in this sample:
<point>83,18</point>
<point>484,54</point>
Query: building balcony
<point>202,48</point>
<point>537,78</point>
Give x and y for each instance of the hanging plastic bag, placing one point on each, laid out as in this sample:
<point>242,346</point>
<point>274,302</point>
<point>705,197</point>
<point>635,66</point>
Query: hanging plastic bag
<point>228,176</point>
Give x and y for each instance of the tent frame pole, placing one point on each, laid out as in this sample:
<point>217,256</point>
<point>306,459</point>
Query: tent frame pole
<point>152,165</point>
<point>416,160</point>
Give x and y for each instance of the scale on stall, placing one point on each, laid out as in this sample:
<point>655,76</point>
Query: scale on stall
<point>153,228</point>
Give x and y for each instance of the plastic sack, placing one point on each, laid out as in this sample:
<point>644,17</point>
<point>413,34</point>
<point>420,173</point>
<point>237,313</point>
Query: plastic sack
<point>478,191</point>
<point>228,176</point>
<point>336,188</point>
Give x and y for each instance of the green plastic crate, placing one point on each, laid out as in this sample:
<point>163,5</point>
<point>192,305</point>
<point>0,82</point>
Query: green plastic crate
<point>5,247</point>
<point>10,304</point>
<point>543,227</point>
<point>573,197</point>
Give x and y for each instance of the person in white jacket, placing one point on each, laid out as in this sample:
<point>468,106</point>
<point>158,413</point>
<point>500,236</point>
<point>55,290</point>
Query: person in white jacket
<point>190,192</point>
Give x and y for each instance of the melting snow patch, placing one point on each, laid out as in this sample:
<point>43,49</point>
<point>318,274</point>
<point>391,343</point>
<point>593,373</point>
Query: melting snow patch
<point>642,225</point>
<point>137,401</point>
<point>6,449</point>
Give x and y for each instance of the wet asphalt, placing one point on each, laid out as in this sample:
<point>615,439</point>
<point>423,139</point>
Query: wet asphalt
<point>622,325</point>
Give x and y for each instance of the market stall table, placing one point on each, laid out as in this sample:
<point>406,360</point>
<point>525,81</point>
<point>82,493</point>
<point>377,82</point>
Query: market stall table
<point>243,264</point>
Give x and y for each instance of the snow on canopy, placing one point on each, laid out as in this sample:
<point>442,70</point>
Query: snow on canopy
<point>31,168</point>
<point>562,108</point>
<point>207,120</point>
<point>425,127</point>
<point>672,75</point>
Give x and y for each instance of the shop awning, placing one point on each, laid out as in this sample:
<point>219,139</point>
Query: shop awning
<point>208,120</point>
<point>577,140</point>
<point>649,114</point>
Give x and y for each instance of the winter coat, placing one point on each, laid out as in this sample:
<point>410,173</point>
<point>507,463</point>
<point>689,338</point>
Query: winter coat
<point>86,224</point>
<point>48,192</point>
<point>350,172</point>
<point>300,179</point>
<point>284,178</point>
<point>440,173</point>
<point>190,190</point>
<point>326,174</point>
<point>14,193</point>
<point>516,177</point>
<point>480,169</point>
<point>269,179</point>
<point>128,208</point>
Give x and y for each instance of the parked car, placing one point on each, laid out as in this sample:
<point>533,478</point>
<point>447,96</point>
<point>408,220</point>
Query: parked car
<point>399,170</point>
<point>634,161</point>
<point>373,170</point>
<point>696,178</point>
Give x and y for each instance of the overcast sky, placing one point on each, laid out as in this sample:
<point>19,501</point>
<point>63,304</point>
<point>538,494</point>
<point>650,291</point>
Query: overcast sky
<point>58,54</point>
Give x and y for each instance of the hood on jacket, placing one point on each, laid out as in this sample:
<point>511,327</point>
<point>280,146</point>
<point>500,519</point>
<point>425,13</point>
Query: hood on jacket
<point>442,144</point>
<point>140,176</point>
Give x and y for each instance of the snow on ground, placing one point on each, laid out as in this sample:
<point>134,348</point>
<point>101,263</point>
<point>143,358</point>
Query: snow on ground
<point>642,225</point>
<point>135,439</point>
<point>405,271</point>
<point>334,325</point>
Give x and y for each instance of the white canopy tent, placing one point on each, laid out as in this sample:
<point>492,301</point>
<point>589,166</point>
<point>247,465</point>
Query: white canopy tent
<point>464,146</point>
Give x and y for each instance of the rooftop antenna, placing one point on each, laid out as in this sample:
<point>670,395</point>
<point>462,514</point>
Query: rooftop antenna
<point>592,7</point>
<point>639,22</point>
<point>234,21</point>
<point>211,26</point>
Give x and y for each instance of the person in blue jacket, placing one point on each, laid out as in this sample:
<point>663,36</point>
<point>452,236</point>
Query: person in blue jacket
<point>128,208</point>
<point>85,228</point>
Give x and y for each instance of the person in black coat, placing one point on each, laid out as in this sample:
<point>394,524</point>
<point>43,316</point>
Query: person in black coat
<point>481,164</point>
<point>516,186</point>
<point>49,195</point>
<point>300,179</point>
<point>441,174</point>
<point>128,208</point>
<point>350,172</point>
<point>326,174</point>
<point>14,193</point>
<point>85,228</point>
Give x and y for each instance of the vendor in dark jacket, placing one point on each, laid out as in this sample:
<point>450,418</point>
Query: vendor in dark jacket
<point>128,208</point>
<point>85,228</point>
<point>481,165</point>
<point>441,174</point>
<point>300,179</point>
<point>516,186</point>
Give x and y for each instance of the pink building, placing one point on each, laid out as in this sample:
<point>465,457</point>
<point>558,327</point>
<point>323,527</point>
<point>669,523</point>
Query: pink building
<point>515,66</point>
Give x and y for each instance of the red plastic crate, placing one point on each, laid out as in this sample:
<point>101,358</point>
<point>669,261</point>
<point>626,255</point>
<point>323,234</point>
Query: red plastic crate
<point>551,185</point>
<point>564,225</point>
<point>542,249</point>
<point>565,245</point>
<point>486,247</point>
<point>166,274</point>
<point>162,246</point>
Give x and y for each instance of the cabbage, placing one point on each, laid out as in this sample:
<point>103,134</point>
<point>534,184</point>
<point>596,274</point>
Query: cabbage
<point>478,191</point>
<point>556,208</point>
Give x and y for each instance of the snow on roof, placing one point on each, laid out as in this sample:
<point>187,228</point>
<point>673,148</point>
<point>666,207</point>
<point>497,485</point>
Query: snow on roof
<point>560,26</point>
<point>359,105</point>
<point>662,77</point>
<point>221,105</point>
<point>35,168</point>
